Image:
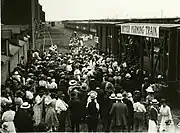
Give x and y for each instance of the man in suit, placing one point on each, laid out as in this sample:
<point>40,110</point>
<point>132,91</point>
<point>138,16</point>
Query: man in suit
<point>76,108</point>
<point>119,112</point>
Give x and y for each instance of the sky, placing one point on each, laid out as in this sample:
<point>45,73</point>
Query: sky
<point>100,9</point>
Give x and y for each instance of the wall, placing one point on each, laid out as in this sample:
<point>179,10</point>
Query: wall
<point>4,72</point>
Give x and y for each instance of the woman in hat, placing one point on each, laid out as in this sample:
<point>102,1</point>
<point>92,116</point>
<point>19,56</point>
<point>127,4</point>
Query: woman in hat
<point>153,118</point>
<point>165,117</point>
<point>76,113</point>
<point>150,95</point>
<point>93,111</point>
<point>38,108</point>
<point>8,117</point>
<point>51,116</point>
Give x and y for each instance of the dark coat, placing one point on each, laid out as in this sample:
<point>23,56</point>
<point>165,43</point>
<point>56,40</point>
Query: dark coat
<point>130,111</point>
<point>23,121</point>
<point>76,110</point>
<point>120,112</point>
<point>153,114</point>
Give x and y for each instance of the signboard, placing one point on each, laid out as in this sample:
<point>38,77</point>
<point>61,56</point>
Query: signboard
<point>140,30</point>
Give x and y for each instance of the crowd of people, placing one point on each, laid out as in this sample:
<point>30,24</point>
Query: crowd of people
<point>83,86</point>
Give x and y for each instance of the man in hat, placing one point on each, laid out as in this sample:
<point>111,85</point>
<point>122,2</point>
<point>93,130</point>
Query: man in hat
<point>120,111</point>
<point>76,107</point>
<point>23,120</point>
<point>61,108</point>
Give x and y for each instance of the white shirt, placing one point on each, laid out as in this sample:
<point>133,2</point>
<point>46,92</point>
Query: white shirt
<point>138,107</point>
<point>29,95</point>
<point>38,99</point>
<point>53,85</point>
<point>60,106</point>
<point>5,100</point>
<point>42,83</point>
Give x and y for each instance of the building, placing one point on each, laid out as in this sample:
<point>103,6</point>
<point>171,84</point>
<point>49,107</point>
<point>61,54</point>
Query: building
<point>23,12</point>
<point>14,44</point>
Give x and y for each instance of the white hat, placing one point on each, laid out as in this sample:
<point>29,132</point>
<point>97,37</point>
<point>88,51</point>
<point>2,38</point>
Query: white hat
<point>72,82</point>
<point>119,96</point>
<point>124,64</point>
<point>25,105</point>
<point>149,89</point>
<point>93,94</point>
<point>128,75</point>
<point>160,77</point>
<point>53,80</point>
<point>48,55</point>
<point>129,94</point>
<point>113,96</point>
<point>154,101</point>
<point>16,73</point>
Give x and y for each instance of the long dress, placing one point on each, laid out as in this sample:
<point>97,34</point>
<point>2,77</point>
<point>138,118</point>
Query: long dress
<point>51,116</point>
<point>8,118</point>
<point>165,113</point>
<point>38,110</point>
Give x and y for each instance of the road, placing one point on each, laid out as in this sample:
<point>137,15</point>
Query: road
<point>57,35</point>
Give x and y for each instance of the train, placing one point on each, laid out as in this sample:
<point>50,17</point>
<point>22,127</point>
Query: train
<point>156,44</point>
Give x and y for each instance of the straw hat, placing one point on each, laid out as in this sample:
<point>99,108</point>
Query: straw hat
<point>84,87</point>
<point>128,75</point>
<point>119,96</point>
<point>129,94</point>
<point>30,74</point>
<point>154,101</point>
<point>16,73</point>
<point>113,96</point>
<point>159,76</point>
<point>49,78</point>
<point>50,71</point>
<point>149,89</point>
<point>25,105</point>
<point>93,95</point>
<point>72,82</point>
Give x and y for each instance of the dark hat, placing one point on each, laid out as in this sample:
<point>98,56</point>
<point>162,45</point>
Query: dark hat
<point>73,95</point>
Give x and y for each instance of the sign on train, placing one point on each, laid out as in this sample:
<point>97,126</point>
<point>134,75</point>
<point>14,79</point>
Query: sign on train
<point>140,30</point>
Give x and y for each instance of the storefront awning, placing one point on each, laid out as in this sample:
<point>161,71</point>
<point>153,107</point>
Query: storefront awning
<point>4,58</point>
<point>13,49</point>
